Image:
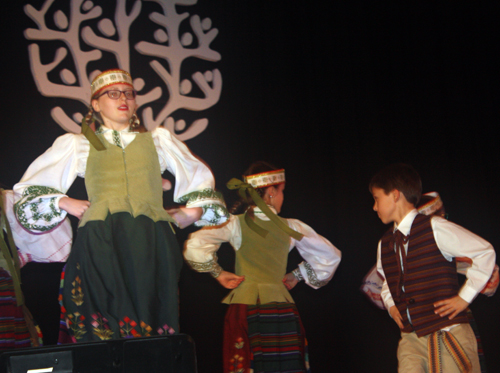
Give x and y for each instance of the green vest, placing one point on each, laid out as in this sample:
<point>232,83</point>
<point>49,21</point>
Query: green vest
<point>125,180</point>
<point>263,263</point>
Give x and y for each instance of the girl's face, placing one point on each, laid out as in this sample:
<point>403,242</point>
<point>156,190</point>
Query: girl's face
<point>116,114</point>
<point>276,191</point>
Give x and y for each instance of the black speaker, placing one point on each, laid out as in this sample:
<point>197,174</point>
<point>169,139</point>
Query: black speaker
<point>170,354</point>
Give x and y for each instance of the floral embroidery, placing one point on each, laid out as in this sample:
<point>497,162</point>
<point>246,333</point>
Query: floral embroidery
<point>75,323</point>
<point>76,292</point>
<point>213,213</point>
<point>101,327</point>
<point>236,364</point>
<point>165,329</point>
<point>127,328</point>
<point>239,343</point>
<point>145,329</point>
<point>311,275</point>
<point>27,202</point>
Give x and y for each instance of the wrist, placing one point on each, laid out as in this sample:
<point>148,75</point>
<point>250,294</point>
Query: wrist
<point>297,274</point>
<point>216,271</point>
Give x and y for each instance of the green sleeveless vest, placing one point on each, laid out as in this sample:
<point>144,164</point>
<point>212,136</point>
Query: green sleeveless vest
<point>263,262</point>
<point>125,180</point>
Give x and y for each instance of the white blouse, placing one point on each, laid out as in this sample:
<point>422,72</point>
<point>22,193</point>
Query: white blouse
<point>50,176</point>
<point>321,257</point>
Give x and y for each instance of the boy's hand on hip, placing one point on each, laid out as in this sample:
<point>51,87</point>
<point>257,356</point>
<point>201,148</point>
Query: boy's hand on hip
<point>450,307</point>
<point>396,316</point>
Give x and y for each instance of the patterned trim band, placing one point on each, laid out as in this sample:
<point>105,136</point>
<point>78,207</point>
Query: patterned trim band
<point>313,278</point>
<point>266,179</point>
<point>297,274</point>
<point>211,266</point>
<point>110,77</point>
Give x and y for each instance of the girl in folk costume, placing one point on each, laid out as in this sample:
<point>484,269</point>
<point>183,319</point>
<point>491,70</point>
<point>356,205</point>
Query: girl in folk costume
<point>121,276</point>
<point>17,328</point>
<point>263,331</point>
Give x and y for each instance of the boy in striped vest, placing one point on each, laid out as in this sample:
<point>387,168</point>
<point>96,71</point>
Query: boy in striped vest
<point>416,258</point>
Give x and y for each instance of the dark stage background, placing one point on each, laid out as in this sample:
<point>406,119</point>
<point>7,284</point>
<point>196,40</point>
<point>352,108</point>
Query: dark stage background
<point>331,91</point>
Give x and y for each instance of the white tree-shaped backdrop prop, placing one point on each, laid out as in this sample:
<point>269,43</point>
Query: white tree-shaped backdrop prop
<point>170,47</point>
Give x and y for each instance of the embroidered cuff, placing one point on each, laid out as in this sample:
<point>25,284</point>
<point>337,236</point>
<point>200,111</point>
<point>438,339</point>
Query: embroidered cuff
<point>297,274</point>
<point>212,202</point>
<point>312,278</point>
<point>212,267</point>
<point>38,209</point>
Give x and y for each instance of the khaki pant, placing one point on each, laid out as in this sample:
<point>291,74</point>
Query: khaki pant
<point>413,351</point>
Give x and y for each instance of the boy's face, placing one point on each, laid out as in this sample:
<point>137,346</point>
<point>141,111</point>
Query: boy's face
<point>385,205</point>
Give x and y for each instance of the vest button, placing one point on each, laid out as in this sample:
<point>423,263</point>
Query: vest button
<point>411,301</point>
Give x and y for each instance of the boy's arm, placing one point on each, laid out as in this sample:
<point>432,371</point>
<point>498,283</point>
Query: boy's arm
<point>456,241</point>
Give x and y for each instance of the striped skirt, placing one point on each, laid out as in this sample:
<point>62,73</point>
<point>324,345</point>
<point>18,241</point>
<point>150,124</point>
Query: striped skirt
<point>264,338</point>
<point>17,328</point>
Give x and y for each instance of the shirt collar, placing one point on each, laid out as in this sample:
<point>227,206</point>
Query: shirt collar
<point>258,212</point>
<point>405,224</point>
<point>104,129</point>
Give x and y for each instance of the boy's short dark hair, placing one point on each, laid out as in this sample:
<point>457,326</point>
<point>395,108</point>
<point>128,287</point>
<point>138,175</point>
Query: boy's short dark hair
<point>402,177</point>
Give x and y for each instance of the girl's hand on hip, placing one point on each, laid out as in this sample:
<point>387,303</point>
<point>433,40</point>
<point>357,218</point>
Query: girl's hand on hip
<point>75,207</point>
<point>230,280</point>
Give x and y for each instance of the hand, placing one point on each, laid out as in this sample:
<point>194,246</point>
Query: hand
<point>165,184</point>
<point>450,307</point>
<point>185,216</point>
<point>230,280</point>
<point>290,281</point>
<point>396,316</point>
<point>75,207</point>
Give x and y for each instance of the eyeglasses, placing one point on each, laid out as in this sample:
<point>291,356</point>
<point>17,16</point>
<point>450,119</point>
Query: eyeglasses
<point>115,94</point>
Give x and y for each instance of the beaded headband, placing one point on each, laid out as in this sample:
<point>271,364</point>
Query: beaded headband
<point>110,77</point>
<point>265,179</point>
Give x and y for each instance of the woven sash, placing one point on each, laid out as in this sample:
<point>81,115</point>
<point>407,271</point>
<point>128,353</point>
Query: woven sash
<point>456,351</point>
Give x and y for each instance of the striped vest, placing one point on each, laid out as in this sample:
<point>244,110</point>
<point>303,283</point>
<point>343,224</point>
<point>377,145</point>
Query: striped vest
<point>428,278</point>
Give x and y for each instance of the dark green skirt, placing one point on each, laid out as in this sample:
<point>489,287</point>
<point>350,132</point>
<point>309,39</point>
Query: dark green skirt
<point>120,280</point>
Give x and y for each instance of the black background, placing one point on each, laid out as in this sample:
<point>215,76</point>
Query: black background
<point>331,91</point>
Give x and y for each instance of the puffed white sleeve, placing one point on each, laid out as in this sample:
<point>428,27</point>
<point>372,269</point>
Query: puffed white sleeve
<point>321,258</point>
<point>194,182</point>
<point>385,292</point>
<point>200,249</point>
<point>47,180</point>
<point>456,241</point>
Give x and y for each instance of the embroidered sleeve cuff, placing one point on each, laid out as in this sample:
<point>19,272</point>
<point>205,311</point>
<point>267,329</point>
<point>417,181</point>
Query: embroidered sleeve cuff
<point>212,267</point>
<point>310,275</point>
<point>297,274</point>
<point>38,209</point>
<point>212,202</point>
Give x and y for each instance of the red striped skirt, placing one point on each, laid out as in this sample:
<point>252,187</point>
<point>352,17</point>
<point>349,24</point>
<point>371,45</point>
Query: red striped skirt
<point>264,338</point>
<point>14,330</point>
